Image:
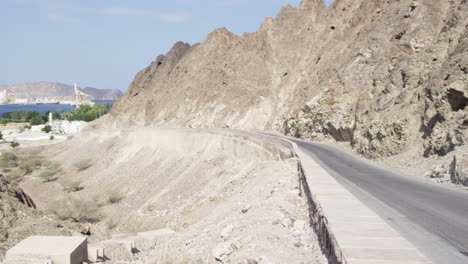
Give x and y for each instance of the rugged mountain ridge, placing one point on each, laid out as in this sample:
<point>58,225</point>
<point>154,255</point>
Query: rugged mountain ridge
<point>386,76</point>
<point>38,90</point>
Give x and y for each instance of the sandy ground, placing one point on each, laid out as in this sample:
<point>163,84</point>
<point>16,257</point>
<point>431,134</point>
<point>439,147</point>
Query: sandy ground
<point>227,197</point>
<point>27,138</point>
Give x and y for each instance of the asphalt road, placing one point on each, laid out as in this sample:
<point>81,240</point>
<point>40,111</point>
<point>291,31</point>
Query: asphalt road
<point>434,217</point>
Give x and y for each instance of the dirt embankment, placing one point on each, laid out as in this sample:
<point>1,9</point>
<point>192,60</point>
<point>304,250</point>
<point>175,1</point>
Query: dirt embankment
<point>216,191</point>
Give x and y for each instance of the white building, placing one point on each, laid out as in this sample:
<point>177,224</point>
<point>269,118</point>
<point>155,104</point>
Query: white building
<point>3,96</point>
<point>65,127</point>
<point>21,101</point>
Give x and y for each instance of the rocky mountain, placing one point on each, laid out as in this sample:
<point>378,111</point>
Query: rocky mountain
<point>386,76</point>
<point>38,90</point>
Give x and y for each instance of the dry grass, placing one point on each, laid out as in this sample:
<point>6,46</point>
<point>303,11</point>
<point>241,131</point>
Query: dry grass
<point>15,175</point>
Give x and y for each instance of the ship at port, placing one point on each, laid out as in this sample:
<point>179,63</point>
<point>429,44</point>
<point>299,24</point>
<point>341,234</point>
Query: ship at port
<point>56,103</point>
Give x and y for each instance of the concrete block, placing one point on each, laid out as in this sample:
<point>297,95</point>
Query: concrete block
<point>95,254</point>
<point>116,249</point>
<point>59,249</point>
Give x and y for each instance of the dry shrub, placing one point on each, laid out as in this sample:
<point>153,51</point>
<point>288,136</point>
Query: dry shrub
<point>109,197</point>
<point>114,196</point>
<point>83,165</point>
<point>110,223</point>
<point>149,208</point>
<point>8,160</point>
<point>48,175</point>
<point>54,166</point>
<point>73,186</point>
<point>27,166</point>
<point>78,210</point>
<point>34,159</point>
<point>7,156</point>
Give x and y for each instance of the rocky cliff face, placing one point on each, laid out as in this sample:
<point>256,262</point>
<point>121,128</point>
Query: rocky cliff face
<point>386,76</point>
<point>39,90</point>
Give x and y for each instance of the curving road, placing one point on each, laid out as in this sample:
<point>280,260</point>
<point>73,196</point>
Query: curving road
<point>434,217</point>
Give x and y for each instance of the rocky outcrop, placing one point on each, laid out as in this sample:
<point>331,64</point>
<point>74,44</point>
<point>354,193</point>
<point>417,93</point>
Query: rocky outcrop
<point>458,171</point>
<point>18,219</point>
<point>386,76</point>
<point>454,171</point>
<point>12,190</point>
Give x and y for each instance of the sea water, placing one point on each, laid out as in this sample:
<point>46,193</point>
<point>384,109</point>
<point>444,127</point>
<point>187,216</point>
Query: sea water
<point>42,108</point>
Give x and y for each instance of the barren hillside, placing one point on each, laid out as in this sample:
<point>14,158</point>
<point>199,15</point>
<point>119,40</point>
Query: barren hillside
<point>213,190</point>
<point>386,76</point>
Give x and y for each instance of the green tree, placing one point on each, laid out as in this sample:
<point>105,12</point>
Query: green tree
<point>55,115</point>
<point>34,118</point>
<point>14,144</point>
<point>5,121</point>
<point>97,111</point>
<point>20,115</point>
<point>47,128</point>
<point>37,120</point>
<point>87,113</point>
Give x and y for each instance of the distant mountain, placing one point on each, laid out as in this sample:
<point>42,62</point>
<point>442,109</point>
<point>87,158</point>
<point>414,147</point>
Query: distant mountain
<point>59,91</point>
<point>102,94</point>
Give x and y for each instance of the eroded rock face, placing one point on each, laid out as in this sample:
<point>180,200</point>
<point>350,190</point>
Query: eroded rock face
<point>386,76</point>
<point>12,190</point>
<point>326,115</point>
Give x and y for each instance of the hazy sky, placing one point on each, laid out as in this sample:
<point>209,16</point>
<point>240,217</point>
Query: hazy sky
<point>104,43</point>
